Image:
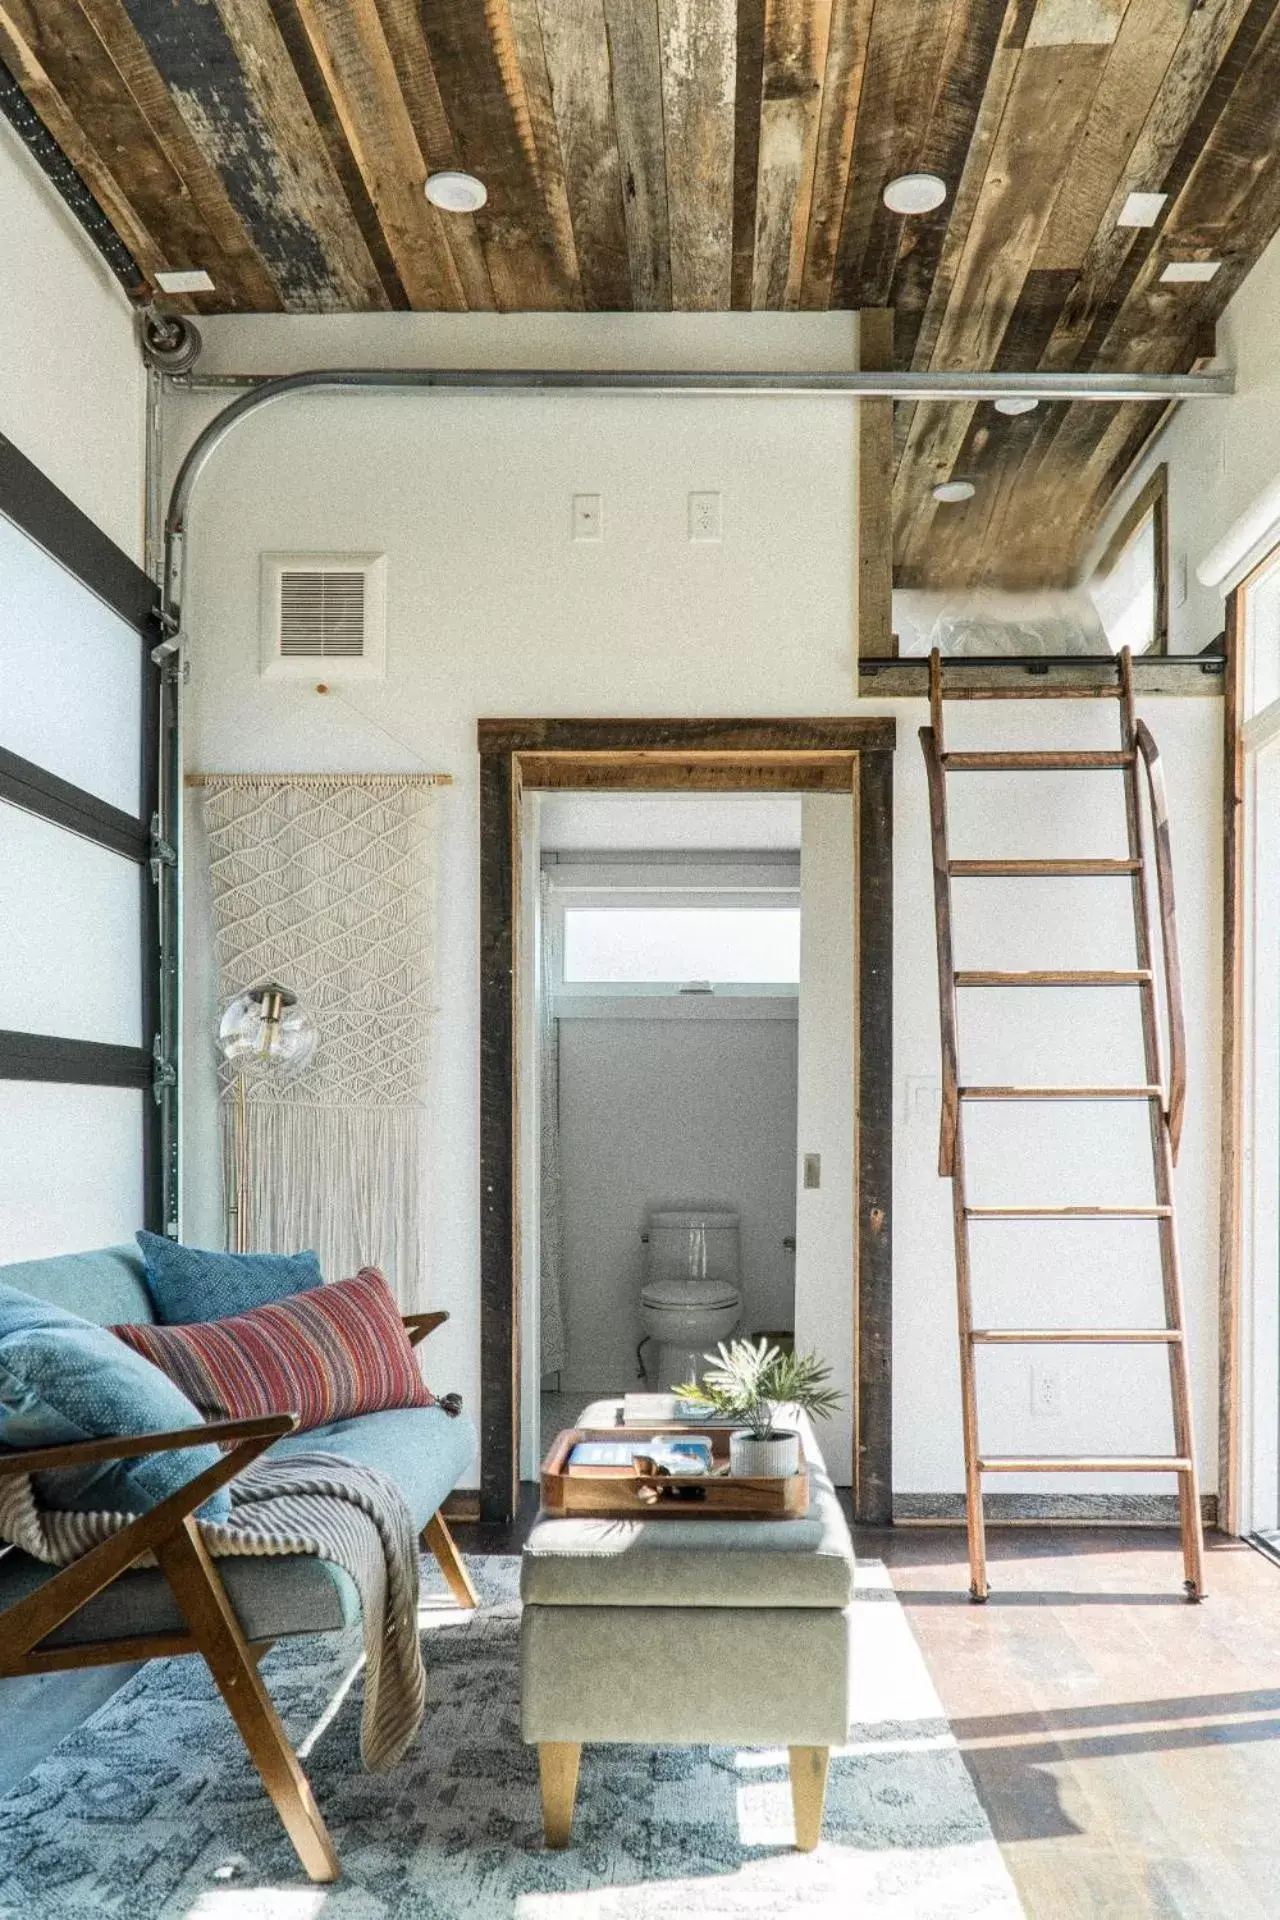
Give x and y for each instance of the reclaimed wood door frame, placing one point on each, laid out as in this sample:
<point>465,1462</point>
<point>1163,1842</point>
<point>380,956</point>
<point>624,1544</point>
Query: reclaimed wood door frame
<point>716,756</point>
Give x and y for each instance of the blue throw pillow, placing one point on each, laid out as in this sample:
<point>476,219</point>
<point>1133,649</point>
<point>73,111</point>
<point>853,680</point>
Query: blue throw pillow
<point>190,1284</point>
<point>63,1379</point>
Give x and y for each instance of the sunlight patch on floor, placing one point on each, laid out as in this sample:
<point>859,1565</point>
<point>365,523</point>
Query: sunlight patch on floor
<point>259,1903</point>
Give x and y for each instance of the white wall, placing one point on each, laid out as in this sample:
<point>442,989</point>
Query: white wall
<point>72,387</point>
<point>675,1111</point>
<point>1222,454</point>
<point>825,1309</point>
<point>493,610</point>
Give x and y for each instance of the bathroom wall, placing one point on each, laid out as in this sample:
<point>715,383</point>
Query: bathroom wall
<point>674,1109</point>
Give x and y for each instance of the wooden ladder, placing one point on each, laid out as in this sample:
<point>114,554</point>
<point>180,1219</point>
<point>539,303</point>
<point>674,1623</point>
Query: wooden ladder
<point>1164,1101</point>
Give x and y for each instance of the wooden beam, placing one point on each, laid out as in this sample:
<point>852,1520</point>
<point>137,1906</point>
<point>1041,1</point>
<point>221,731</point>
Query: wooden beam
<point>351,50</point>
<point>109,82</point>
<point>636,68</point>
<point>910,251</point>
<point>491,69</point>
<point>402,23</point>
<point>229,75</point>
<point>874,506</point>
<point>1207,35</point>
<point>901,76</point>
<point>841,99</point>
<point>748,93</point>
<point>576,48</point>
<point>699,68</point>
<point>796,35</point>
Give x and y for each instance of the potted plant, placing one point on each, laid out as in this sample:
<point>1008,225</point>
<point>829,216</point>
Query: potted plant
<point>748,1382</point>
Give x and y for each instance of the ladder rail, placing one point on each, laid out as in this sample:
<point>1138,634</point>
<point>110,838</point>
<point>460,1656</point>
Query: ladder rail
<point>1190,1521</point>
<point>946,959</point>
<point>1177,1095</point>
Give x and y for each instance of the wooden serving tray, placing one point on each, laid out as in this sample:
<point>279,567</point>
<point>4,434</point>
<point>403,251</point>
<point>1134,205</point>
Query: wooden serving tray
<point>620,1493</point>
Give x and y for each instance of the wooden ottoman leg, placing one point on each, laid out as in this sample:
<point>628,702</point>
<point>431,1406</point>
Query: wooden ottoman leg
<point>808,1793</point>
<point>558,1767</point>
<point>438,1539</point>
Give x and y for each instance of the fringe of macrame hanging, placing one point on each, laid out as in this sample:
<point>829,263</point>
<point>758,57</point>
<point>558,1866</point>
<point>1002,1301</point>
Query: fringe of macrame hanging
<point>346,1181</point>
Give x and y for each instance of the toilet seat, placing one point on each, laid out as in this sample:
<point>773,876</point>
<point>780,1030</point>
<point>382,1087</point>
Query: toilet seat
<point>687,1292</point>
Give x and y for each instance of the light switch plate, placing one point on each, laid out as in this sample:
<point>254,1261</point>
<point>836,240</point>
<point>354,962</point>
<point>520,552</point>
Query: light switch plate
<point>588,516</point>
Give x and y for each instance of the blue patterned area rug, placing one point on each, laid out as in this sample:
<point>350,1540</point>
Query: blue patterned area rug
<point>152,1811</point>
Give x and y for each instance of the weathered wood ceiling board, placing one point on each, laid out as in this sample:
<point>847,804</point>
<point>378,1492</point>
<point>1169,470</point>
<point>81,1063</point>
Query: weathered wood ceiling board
<point>711,154</point>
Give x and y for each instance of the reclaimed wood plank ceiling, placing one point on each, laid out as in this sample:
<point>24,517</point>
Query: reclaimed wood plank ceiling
<point>715,154</point>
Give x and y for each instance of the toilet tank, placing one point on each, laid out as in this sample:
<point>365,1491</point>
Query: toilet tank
<point>696,1243</point>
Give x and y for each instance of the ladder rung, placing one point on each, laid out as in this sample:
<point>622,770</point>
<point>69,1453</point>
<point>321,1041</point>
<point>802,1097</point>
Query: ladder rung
<point>1086,690</point>
<point>1117,977</point>
<point>1068,1213</point>
<point>1060,1093</point>
<point>1076,1336</point>
<point>1059,1463</point>
<point>1078,761</point>
<point>1041,869</point>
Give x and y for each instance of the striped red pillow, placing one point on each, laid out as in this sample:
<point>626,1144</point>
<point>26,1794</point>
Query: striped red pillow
<point>326,1354</point>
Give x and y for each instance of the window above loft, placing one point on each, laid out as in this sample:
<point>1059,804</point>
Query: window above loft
<point>1130,586</point>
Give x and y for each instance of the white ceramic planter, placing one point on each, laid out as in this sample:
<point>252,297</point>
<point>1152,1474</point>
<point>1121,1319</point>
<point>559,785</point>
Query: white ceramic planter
<point>775,1459</point>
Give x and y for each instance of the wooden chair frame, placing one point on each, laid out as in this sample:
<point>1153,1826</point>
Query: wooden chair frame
<point>170,1531</point>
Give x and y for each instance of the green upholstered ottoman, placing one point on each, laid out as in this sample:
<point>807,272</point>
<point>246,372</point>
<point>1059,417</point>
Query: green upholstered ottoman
<point>688,1632</point>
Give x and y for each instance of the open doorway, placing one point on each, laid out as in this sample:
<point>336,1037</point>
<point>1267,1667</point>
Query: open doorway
<point>665,964</point>
<point>845,1313</point>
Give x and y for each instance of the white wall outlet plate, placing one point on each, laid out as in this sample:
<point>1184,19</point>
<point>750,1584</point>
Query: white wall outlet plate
<point>1046,1391</point>
<point>588,516</point>
<point>705,519</point>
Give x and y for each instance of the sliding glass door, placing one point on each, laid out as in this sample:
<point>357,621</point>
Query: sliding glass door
<point>79,974</point>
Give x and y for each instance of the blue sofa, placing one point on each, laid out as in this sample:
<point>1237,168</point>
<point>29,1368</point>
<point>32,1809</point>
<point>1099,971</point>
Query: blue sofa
<point>243,1604</point>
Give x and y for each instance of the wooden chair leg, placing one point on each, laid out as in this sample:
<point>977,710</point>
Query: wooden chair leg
<point>200,1593</point>
<point>808,1793</point>
<point>558,1768</point>
<point>437,1537</point>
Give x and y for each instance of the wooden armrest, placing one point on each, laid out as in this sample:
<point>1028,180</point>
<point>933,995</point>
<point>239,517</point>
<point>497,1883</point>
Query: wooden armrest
<point>419,1325</point>
<point>77,1453</point>
<point>28,1621</point>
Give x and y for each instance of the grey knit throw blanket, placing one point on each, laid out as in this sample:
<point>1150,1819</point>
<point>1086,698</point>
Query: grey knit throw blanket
<point>312,1503</point>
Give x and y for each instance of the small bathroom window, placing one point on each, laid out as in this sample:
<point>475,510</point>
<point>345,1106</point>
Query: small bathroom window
<point>650,926</point>
<point>680,946</point>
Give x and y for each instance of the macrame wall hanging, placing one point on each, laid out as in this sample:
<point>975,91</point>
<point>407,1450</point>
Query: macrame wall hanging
<point>328,884</point>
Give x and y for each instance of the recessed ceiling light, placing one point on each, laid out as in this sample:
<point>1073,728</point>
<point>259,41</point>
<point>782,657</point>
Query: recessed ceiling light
<point>455,192</point>
<point>1180,270</point>
<point>953,491</point>
<point>184,280</point>
<point>915,193</point>
<point>1141,210</point>
<point>1016,403</point>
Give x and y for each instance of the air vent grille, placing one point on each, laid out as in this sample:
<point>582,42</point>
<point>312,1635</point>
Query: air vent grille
<point>322,614</point>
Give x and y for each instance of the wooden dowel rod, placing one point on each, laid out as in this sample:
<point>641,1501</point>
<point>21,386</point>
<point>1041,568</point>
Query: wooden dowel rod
<point>1076,1336</point>
<point>1133,977</point>
<point>1068,1213</point>
<point>1057,1463</point>
<point>317,780</point>
<point>1060,1093</point>
<point>1040,869</point>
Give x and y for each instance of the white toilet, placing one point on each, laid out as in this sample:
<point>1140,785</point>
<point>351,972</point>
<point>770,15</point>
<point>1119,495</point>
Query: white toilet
<point>691,1296</point>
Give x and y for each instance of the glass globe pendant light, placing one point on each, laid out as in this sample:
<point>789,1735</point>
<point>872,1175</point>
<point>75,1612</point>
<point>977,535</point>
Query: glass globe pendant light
<point>264,1033</point>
